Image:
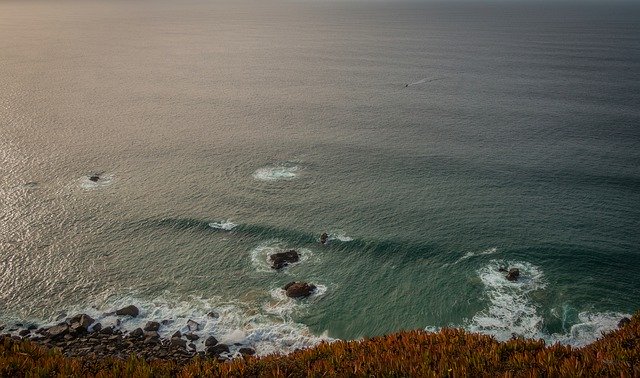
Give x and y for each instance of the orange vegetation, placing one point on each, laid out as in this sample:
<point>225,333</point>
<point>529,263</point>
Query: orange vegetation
<point>450,352</point>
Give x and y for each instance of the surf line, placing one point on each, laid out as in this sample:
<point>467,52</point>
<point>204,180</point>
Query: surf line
<point>422,81</point>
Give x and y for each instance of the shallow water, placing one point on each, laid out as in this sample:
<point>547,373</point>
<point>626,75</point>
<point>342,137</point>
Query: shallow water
<point>222,131</point>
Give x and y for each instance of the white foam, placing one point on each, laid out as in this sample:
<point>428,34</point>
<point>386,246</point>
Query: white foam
<point>260,255</point>
<point>87,184</point>
<point>510,309</point>
<point>223,225</point>
<point>425,80</point>
<point>590,328</point>
<point>469,255</point>
<point>276,173</point>
<point>339,235</point>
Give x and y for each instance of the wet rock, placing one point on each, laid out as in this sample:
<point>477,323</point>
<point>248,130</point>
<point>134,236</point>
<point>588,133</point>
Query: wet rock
<point>193,326</point>
<point>178,343</point>
<point>97,327</point>
<point>282,259</point>
<point>94,177</point>
<point>166,322</point>
<point>623,322</point>
<point>151,334</point>
<point>58,331</point>
<point>513,274</point>
<point>138,332</point>
<point>176,334</point>
<point>130,310</point>
<point>217,349</point>
<point>81,322</point>
<point>152,326</point>
<point>31,327</point>
<point>299,289</point>
<point>107,330</point>
<point>247,351</point>
<point>24,332</point>
<point>192,336</point>
<point>210,341</point>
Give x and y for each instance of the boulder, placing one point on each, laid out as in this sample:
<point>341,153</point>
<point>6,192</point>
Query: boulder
<point>247,351</point>
<point>107,330</point>
<point>130,310</point>
<point>176,334</point>
<point>217,349</point>
<point>513,274</point>
<point>299,289</point>
<point>623,322</point>
<point>282,259</point>
<point>151,334</point>
<point>24,332</point>
<point>210,341</point>
<point>324,238</point>
<point>192,336</point>
<point>94,178</point>
<point>177,342</point>
<point>138,332</point>
<point>193,326</point>
<point>152,326</point>
<point>97,327</point>
<point>58,331</point>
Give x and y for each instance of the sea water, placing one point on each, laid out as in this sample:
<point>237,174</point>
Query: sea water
<point>435,142</point>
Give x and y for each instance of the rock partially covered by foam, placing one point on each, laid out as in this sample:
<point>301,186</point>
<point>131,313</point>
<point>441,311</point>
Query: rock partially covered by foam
<point>513,274</point>
<point>282,259</point>
<point>623,322</point>
<point>130,310</point>
<point>299,289</point>
<point>152,326</point>
<point>81,322</point>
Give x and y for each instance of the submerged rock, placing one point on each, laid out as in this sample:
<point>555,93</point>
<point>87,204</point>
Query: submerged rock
<point>513,274</point>
<point>299,289</point>
<point>130,310</point>
<point>94,178</point>
<point>282,259</point>
<point>152,326</point>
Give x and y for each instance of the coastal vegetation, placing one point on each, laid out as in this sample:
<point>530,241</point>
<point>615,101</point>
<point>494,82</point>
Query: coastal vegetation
<point>449,352</point>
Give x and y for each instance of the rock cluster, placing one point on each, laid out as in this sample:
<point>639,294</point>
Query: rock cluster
<point>80,335</point>
<point>299,289</point>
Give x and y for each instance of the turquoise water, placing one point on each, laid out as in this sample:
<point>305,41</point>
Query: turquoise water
<point>224,132</point>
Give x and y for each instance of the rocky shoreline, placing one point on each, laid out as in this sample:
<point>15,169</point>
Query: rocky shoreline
<point>82,336</point>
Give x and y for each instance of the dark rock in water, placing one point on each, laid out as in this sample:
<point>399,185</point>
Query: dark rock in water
<point>94,178</point>
<point>166,322</point>
<point>193,326</point>
<point>192,336</point>
<point>623,322</point>
<point>24,332</point>
<point>282,259</point>
<point>31,327</point>
<point>210,341</point>
<point>299,289</point>
<point>152,326</point>
<point>97,327</point>
<point>247,351</point>
<point>324,238</point>
<point>130,310</point>
<point>213,314</point>
<point>176,334</point>
<point>138,332</point>
<point>19,325</point>
<point>513,274</point>
<point>217,349</point>
<point>58,331</point>
<point>81,322</point>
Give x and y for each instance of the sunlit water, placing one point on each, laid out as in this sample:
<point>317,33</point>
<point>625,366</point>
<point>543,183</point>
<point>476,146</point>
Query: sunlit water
<point>434,143</point>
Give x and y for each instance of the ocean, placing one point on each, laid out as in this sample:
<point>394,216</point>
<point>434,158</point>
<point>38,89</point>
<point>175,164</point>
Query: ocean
<point>435,142</point>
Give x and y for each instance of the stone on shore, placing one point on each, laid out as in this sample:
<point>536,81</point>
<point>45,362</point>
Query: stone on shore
<point>210,341</point>
<point>282,259</point>
<point>193,326</point>
<point>152,326</point>
<point>299,289</point>
<point>130,310</point>
<point>57,331</point>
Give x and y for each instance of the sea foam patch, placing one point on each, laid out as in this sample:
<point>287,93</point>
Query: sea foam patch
<point>275,173</point>
<point>511,310</point>
<point>225,225</point>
